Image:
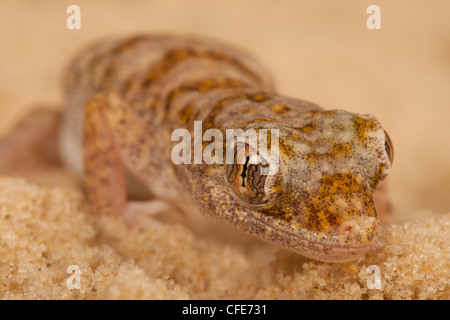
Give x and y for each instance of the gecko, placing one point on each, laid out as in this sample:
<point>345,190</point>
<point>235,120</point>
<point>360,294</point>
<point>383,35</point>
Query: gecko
<point>124,97</point>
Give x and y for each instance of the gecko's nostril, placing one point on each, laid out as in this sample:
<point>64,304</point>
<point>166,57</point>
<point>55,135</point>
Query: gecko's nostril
<point>358,231</point>
<point>346,227</point>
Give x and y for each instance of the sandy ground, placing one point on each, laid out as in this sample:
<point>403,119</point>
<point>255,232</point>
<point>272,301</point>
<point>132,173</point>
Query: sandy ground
<point>318,51</point>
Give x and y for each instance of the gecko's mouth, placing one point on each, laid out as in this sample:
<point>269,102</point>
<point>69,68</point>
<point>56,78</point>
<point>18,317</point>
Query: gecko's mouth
<point>345,245</point>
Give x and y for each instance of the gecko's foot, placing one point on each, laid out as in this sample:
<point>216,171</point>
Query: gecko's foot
<point>32,144</point>
<point>30,150</point>
<point>138,213</point>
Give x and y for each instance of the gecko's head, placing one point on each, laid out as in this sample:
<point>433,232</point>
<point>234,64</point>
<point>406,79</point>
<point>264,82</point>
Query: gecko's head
<point>319,202</point>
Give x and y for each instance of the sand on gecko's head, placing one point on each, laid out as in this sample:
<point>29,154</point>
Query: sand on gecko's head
<point>318,202</point>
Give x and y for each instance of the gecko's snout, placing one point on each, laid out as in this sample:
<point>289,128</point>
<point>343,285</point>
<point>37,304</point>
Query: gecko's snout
<point>358,232</point>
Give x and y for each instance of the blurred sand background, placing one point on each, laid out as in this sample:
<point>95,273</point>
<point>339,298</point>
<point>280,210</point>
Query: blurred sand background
<point>319,51</point>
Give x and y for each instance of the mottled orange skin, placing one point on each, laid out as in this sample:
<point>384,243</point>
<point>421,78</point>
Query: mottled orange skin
<point>124,98</point>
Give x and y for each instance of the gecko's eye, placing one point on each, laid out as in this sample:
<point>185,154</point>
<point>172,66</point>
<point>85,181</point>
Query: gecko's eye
<point>248,179</point>
<point>389,147</point>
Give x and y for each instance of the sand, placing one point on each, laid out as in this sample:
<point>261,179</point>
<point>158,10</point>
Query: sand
<point>46,230</point>
<point>320,52</point>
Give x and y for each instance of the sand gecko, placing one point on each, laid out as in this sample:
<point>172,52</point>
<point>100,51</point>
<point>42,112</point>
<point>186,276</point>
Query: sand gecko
<point>125,97</point>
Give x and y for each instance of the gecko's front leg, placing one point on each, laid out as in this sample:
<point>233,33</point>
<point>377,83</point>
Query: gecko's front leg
<point>104,172</point>
<point>108,161</point>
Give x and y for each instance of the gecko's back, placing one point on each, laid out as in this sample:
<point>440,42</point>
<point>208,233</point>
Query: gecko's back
<point>157,76</point>
<point>143,89</point>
